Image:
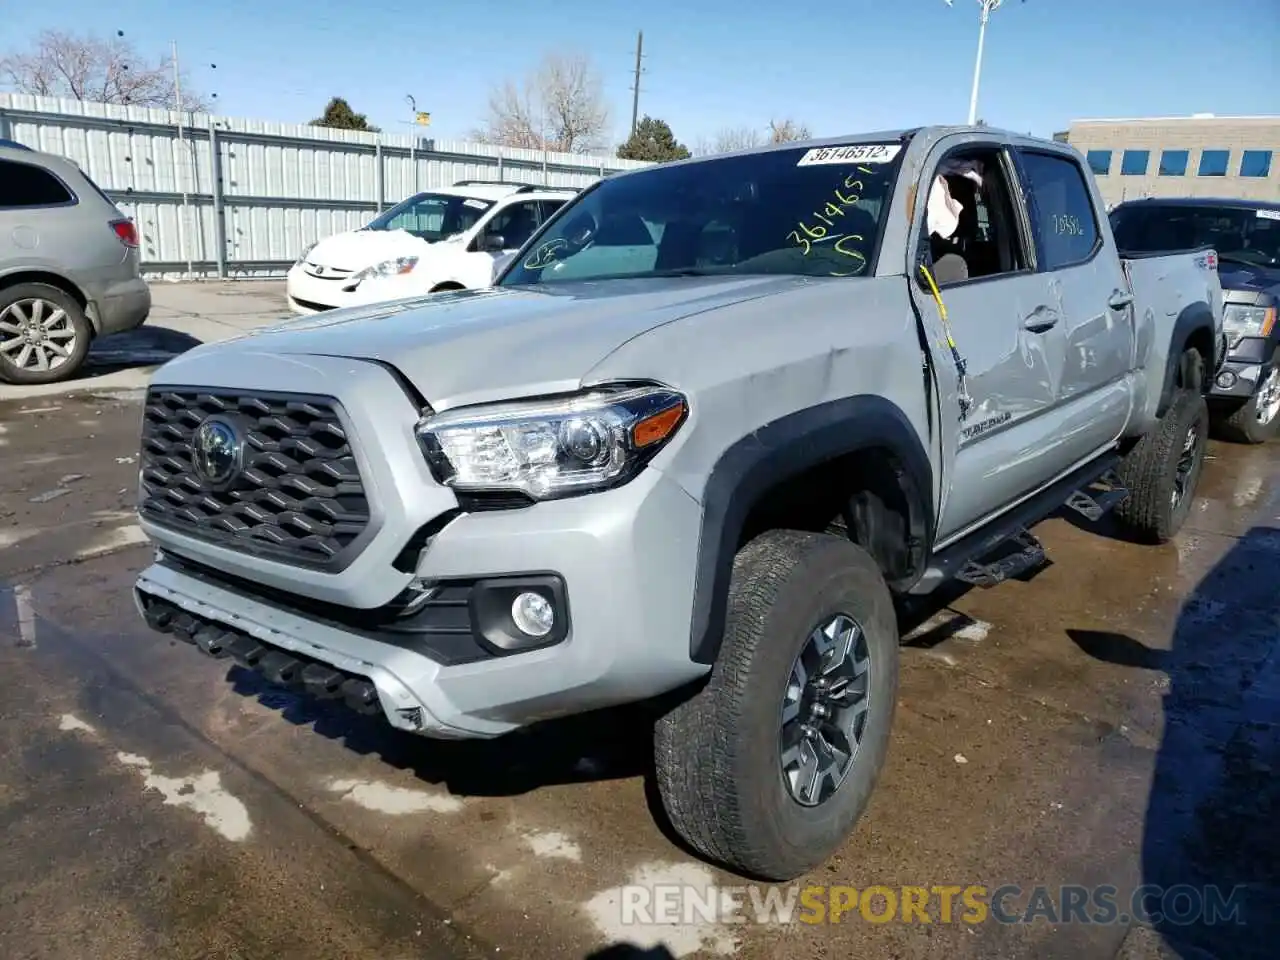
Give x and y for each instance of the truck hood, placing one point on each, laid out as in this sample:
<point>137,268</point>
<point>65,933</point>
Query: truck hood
<point>474,346</point>
<point>358,249</point>
<point>1239,278</point>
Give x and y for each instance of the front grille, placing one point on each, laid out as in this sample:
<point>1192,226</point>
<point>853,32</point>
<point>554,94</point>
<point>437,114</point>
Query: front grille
<point>298,496</point>
<point>322,272</point>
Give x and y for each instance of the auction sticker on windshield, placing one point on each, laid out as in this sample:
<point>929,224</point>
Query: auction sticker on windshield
<point>1269,214</point>
<point>851,153</point>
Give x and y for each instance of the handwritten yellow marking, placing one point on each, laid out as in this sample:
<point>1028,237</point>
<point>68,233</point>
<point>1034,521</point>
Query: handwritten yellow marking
<point>805,235</point>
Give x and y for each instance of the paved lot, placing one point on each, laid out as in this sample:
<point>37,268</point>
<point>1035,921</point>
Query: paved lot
<point>1113,720</point>
<point>183,315</point>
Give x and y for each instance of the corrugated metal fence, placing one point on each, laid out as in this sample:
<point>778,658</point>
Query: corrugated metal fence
<point>228,197</point>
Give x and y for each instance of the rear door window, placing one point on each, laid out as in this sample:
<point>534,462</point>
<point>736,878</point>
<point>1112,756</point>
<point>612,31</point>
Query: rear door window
<point>1063,209</point>
<point>24,185</point>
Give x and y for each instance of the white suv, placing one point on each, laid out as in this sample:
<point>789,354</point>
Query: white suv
<point>451,238</point>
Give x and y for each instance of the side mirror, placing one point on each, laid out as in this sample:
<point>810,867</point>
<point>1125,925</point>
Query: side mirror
<point>493,243</point>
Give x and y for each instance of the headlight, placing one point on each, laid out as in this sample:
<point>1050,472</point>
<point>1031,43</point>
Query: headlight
<point>1240,321</point>
<point>387,268</point>
<point>305,250</point>
<point>552,448</point>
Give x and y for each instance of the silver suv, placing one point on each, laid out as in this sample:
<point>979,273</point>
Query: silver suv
<point>68,267</point>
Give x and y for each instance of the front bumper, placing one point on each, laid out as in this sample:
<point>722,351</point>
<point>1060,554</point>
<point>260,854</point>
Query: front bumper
<point>1243,369</point>
<point>308,295</point>
<point>626,558</point>
<point>626,562</point>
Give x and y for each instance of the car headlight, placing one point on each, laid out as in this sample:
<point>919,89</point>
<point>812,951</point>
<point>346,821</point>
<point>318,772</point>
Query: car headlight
<point>305,250</point>
<point>1240,321</point>
<point>387,268</point>
<point>552,448</point>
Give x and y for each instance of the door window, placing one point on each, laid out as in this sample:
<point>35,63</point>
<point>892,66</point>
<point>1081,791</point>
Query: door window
<point>26,185</point>
<point>980,237</point>
<point>515,224</point>
<point>1064,215</point>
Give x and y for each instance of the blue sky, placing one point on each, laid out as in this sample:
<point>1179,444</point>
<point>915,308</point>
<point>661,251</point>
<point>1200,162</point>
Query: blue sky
<point>710,64</point>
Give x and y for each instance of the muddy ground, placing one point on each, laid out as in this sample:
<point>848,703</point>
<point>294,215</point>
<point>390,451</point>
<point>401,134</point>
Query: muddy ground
<point>1113,720</point>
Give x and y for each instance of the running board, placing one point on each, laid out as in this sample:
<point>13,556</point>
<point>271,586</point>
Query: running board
<point>951,561</point>
<point>1023,553</point>
<point>1108,492</point>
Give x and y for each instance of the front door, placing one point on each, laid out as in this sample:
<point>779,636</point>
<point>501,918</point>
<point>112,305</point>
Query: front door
<point>996,442</point>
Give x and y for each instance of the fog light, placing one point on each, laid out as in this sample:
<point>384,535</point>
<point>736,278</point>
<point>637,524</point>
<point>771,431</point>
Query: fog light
<point>1226,380</point>
<point>533,614</point>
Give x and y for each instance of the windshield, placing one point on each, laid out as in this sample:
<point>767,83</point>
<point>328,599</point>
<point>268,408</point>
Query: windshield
<point>1238,234</point>
<point>804,212</point>
<point>432,216</point>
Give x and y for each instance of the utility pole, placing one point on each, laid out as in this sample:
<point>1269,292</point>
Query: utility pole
<point>635,90</point>
<point>182,140</point>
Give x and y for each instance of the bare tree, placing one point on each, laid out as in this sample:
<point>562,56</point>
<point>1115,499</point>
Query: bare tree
<point>560,106</point>
<point>62,64</point>
<point>786,130</point>
<point>728,140</point>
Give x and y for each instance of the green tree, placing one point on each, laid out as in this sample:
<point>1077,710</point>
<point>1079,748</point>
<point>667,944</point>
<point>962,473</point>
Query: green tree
<point>653,141</point>
<point>338,114</point>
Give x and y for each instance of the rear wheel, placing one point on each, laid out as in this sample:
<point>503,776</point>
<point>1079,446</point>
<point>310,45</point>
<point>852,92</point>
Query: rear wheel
<point>1163,470</point>
<point>44,334</point>
<point>1257,420</point>
<point>768,767</point>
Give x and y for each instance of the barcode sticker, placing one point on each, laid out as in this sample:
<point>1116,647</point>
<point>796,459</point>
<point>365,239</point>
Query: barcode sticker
<point>1269,214</point>
<point>851,153</point>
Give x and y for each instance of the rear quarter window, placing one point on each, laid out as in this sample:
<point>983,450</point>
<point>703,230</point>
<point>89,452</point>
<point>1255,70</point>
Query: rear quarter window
<point>25,185</point>
<point>1065,221</point>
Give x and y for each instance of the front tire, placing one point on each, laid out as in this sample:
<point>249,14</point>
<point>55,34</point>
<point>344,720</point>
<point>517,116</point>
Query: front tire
<point>1163,470</point>
<point>752,776</point>
<point>1256,420</point>
<point>44,334</point>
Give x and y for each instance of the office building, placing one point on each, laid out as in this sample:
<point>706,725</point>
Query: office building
<point>1198,156</point>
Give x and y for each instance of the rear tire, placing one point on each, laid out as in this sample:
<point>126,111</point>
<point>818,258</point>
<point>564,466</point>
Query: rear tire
<point>1162,471</point>
<point>44,334</point>
<point>1256,420</point>
<point>730,786</point>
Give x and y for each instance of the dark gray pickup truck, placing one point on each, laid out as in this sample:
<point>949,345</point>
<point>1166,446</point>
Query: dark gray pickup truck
<point>1245,399</point>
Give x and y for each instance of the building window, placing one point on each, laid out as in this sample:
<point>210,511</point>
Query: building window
<point>1213,163</point>
<point>1134,163</point>
<point>1100,162</point>
<point>1256,163</point>
<point>1173,163</point>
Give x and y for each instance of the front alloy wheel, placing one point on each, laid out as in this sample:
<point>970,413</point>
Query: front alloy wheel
<point>824,710</point>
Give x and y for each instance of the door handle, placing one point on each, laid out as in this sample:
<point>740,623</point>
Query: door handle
<point>1040,319</point>
<point>1120,299</point>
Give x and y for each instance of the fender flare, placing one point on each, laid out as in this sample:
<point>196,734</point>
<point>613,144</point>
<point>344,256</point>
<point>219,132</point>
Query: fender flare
<point>1195,318</point>
<point>783,449</point>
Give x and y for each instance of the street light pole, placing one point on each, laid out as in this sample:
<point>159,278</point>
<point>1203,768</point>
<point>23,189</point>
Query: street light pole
<point>988,6</point>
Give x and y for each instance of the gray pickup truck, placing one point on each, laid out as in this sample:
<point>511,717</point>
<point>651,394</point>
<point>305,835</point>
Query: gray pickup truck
<point>711,422</point>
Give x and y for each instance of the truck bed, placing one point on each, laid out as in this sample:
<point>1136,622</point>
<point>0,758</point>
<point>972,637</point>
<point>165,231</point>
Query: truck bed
<point>1169,289</point>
